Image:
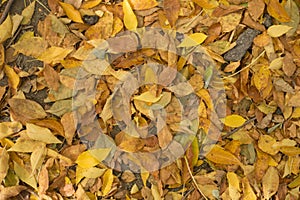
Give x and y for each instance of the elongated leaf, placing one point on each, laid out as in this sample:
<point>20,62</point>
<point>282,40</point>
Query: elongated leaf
<point>24,175</point>
<point>71,12</point>
<point>27,13</point>
<point>6,29</point>
<point>270,182</point>
<point>130,19</point>
<point>234,120</point>
<point>193,40</point>
<point>107,181</point>
<point>4,158</point>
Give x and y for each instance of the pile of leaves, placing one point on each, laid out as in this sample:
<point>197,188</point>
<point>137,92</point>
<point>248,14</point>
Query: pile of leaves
<point>81,87</point>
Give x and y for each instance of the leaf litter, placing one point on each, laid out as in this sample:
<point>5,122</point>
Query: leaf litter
<point>255,45</point>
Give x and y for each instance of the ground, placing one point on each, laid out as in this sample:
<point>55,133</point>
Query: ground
<point>149,99</point>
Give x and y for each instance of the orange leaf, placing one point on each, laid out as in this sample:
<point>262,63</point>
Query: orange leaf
<point>220,156</point>
<point>71,12</point>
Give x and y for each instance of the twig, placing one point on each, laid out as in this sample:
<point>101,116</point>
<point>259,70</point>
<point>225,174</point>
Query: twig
<point>252,63</point>
<point>238,128</point>
<point>195,182</point>
<point>6,10</point>
<point>45,7</point>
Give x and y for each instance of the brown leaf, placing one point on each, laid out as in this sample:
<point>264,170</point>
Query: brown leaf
<point>143,5</point>
<point>25,109</point>
<point>4,159</point>
<point>68,123</point>
<point>256,8</point>
<point>276,10</point>
<point>171,9</point>
<point>51,77</point>
<point>8,192</point>
<point>270,182</point>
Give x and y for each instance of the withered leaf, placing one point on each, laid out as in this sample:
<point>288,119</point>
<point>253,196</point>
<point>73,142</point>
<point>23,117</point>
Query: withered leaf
<point>171,9</point>
<point>270,182</point>
<point>4,164</point>
<point>41,134</point>
<point>27,13</point>
<point>6,29</point>
<point>27,109</point>
<point>24,175</point>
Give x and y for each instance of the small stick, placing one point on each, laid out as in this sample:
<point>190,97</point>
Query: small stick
<point>6,10</point>
<point>194,181</point>
<point>238,128</point>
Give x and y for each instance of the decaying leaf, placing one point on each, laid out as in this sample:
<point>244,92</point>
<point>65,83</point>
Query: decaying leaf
<point>219,155</point>
<point>27,13</point>
<point>41,134</point>
<point>4,163</point>
<point>6,29</point>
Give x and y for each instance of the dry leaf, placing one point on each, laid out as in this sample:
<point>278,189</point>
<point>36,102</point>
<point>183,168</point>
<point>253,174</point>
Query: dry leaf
<point>90,4</point>
<point>234,120</point>
<point>130,19</point>
<point>27,109</point>
<point>54,55</point>
<point>71,12</point>
<point>68,122</point>
<point>6,29</point>
<point>193,40</point>
<point>270,182</point>
<point>27,13</point>
<point>13,78</point>
<point>9,128</point>
<point>37,157</point>
<point>107,180</point>
<point>276,10</point>
<point>143,4</point>
<point>41,134</point>
<point>25,176</point>
<point>4,164</point>
<point>86,160</point>
<point>171,9</point>
<point>278,30</point>
<point>219,155</point>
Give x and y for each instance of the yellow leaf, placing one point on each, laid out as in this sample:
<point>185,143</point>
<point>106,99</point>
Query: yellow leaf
<point>107,181</point>
<point>278,30</point>
<point>276,63</point>
<point>27,13</point>
<point>234,186</point>
<point>25,145</point>
<point>195,150</point>
<point>37,157</point>
<point>9,128</point>
<point>143,4</point>
<point>13,77</point>
<point>117,25</point>
<point>71,12</point>
<point>266,144</point>
<point>54,55</point>
<point>145,176</point>
<point>296,113</point>
<point>220,156</point>
<point>248,193</point>
<point>234,120</point>
<point>6,29</point>
<point>207,4</point>
<point>130,19</point>
<point>148,97</point>
<point>24,175</point>
<point>261,78</point>
<point>295,182</point>
<point>270,182</point>
<point>41,134</point>
<point>92,172</point>
<point>193,40</point>
<point>4,158</point>
<point>90,4</point>
<point>100,154</point>
<point>86,160</point>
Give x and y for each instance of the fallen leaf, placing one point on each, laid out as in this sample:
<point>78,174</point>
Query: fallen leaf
<point>171,9</point>
<point>90,4</point>
<point>92,172</point>
<point>25,176</point>
<point>41,134</point>
<point>9,128</point>
<point>261,78</point>
<point>71,12</point>
<point>54,55</point>
<point>26,109</point>
<point>31,46</point>
<point>266,142</point>
<point>6,29</point>
<point>248,193</point>
<point>37,157</point>
<point>270,182</point>
<point>4,164</point>
<point>143,4</point>
<point>25,145</point>
<point>234,186</point>
<point>207,4</point>
<point>51,77</point>
<point>13,78</point>
<point>87,160</point>
<point>12,191</point>
<point>276,10</point>
<point>27,13</point>
<point>219,155</point>
<point>107,180</point>
<point>234,120</point>
<point>148,97</point>
<point>278,30</point>
<point>130,19</point>
<point>293,10</point>
<point>193,40</point>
